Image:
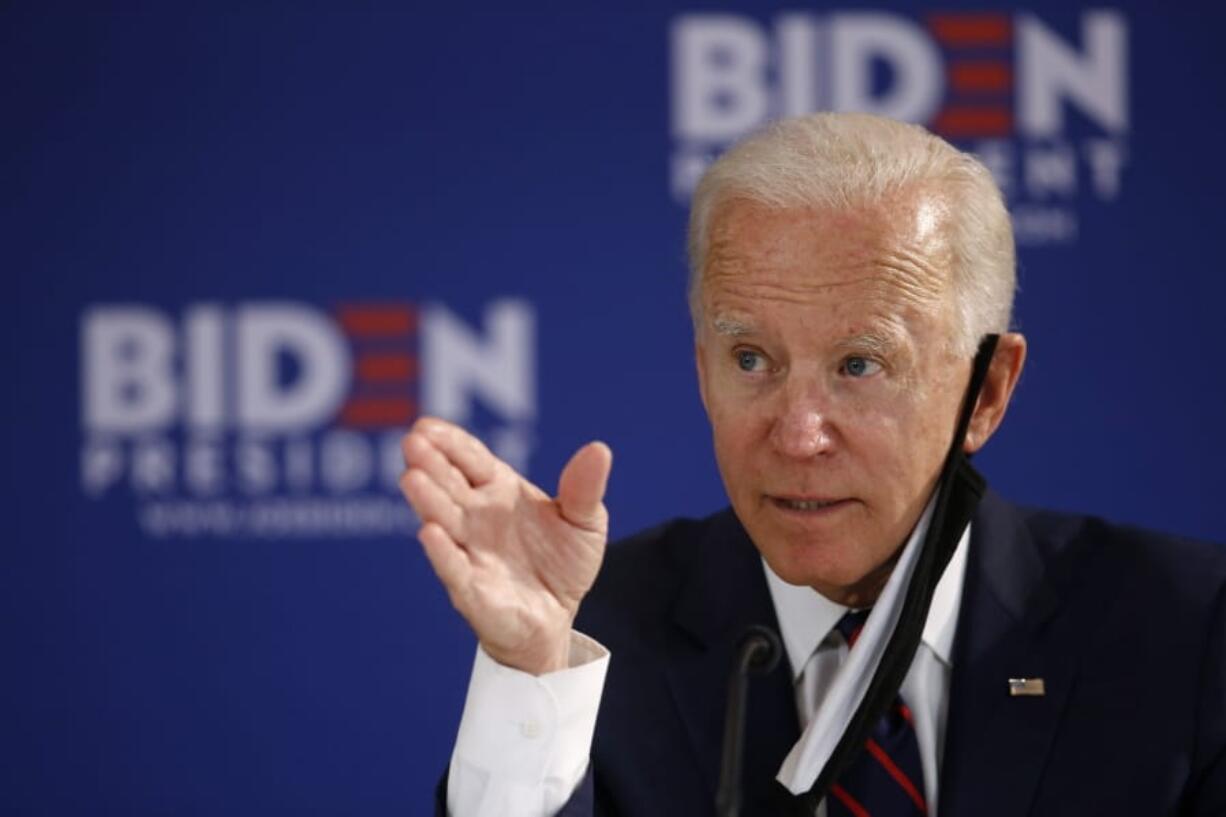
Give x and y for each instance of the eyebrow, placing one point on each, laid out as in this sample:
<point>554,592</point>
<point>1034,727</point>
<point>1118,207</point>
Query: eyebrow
<point>874,341</point>
<point>731,326</point>
<point>879,340</point>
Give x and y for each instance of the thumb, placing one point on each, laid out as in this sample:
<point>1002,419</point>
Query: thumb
<point>582,484</point>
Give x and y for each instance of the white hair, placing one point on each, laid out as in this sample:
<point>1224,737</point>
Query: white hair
<point>854,160</point>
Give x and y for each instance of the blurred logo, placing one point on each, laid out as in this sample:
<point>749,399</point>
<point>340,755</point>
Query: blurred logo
<point>280,418</point>
<point>1045,108</point>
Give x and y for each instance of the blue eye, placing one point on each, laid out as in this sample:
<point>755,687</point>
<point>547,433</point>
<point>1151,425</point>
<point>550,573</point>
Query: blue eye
<point>860,366</point>
<point>748,361</point>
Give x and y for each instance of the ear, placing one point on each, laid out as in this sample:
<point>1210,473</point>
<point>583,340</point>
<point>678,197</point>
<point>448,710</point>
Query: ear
<point>1003,374</point>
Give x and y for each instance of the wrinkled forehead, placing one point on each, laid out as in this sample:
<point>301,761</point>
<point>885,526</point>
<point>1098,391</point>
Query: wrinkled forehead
<point>896,250</point>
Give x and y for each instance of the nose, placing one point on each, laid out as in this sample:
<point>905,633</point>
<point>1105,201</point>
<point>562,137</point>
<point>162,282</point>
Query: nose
<point>803,429</point>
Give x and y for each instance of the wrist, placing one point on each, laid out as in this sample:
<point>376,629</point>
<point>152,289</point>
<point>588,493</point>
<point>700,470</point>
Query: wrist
<point>544,655</point>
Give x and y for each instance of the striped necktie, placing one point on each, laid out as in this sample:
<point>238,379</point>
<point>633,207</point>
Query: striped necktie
<point>887,778</point>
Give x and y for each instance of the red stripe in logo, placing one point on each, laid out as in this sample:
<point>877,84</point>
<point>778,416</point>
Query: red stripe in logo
<point>389,367</point>
<point>964,121</point>
<point>980,77</point>
<point>370,412</point>
<point>376,320</point>
<point>972,30</point>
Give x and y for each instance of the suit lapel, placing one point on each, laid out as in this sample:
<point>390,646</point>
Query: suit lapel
<point>996,744</point>
<point>725,591</point>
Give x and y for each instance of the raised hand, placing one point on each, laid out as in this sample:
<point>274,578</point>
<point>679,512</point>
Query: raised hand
<point>515,561</point>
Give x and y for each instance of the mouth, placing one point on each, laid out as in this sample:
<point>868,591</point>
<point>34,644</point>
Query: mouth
<point>809,505</point>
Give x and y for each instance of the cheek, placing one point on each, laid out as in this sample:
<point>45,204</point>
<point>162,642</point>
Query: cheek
<point>740,440</point>
<point>881,418</point>
<point>892,441</point>
<point>730,430</point>
<point>914,439</point>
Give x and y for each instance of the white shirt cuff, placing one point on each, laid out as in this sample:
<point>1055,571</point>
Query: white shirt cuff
<point>524,739</point>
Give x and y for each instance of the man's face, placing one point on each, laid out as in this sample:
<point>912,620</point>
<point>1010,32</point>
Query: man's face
<point>825,365</point>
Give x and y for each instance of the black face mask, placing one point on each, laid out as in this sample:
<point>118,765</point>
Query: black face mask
<point>959,489</point>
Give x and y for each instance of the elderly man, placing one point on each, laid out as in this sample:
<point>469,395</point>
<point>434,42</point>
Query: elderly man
<point>844,269</point>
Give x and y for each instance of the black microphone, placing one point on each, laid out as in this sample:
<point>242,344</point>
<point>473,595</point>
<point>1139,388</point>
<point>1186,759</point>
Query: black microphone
<point>757,652</point>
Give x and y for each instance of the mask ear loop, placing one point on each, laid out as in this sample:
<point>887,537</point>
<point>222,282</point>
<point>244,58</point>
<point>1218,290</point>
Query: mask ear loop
<point>959,489</point>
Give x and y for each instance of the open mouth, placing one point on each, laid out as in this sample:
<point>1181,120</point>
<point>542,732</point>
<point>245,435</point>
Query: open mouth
<point>791,504</point>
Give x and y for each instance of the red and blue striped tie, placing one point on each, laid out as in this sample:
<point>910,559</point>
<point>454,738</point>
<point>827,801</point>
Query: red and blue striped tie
<point>887,778</point>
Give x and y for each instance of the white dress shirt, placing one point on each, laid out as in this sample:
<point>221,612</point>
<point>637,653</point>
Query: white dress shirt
<point>524,740</point>
<point>817,654</point>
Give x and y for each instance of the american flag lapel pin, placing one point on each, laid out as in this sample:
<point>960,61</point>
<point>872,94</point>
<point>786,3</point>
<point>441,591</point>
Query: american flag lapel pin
<point>1026,686</point>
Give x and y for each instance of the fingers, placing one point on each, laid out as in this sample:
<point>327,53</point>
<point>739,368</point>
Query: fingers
<point>419,452</point>
<point>461,449</point>
<point>432,503</point>
<point>582,485</point>
<point>447,558</point>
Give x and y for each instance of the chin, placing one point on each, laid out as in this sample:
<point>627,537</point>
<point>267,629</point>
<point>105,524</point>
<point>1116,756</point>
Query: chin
<point>823,565</point>
<point>806,566</point>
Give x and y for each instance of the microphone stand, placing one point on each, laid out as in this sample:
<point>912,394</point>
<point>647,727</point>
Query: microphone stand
<point>758,653</point>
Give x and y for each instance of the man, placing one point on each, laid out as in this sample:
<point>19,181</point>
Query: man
<point>843,271</point>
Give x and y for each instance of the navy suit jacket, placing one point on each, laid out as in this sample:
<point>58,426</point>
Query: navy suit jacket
<point>1127,629</point>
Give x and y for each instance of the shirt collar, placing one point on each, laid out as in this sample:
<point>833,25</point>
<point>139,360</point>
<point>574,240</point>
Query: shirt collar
<point>806,617</point>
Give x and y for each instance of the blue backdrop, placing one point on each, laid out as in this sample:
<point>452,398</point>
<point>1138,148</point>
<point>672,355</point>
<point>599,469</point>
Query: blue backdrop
<point>250,243</point>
